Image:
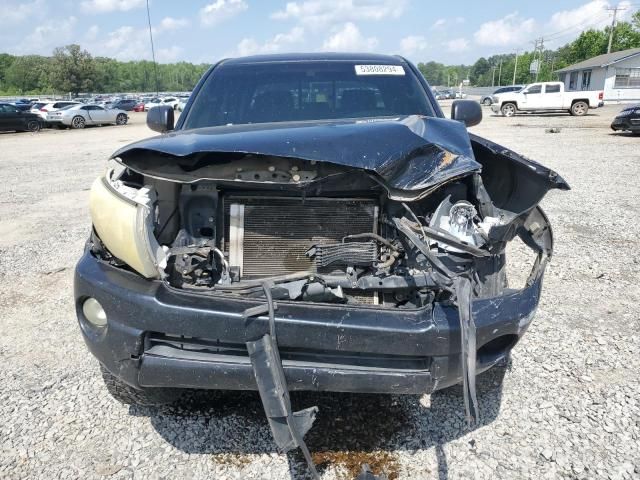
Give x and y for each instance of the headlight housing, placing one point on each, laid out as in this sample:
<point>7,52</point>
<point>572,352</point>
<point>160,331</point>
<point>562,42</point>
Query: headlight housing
<point>123,219</point>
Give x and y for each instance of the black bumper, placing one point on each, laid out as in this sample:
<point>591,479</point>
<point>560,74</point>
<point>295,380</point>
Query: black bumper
<point>626,124</point>
<point>159,337</point>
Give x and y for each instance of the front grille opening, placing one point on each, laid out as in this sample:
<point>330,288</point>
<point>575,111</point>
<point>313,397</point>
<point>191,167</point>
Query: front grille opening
<point>202,346</point>
<point>496,348</point>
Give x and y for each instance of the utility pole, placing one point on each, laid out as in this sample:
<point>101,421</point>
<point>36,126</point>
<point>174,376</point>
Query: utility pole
<point>613,24</point>
<point>493,76</point>
<point>500,74</point>
<point>515,68</point>
<point>541,47</point>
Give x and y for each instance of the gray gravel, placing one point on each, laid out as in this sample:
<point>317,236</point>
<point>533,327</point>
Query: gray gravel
<point>568,405</point>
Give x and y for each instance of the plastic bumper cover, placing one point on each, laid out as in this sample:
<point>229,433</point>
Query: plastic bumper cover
<point>157,337</point>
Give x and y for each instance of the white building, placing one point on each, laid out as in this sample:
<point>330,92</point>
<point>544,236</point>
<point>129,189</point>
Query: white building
<point>617,74</point>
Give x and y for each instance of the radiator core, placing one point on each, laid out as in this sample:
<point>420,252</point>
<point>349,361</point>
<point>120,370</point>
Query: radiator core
<point>268,236</point>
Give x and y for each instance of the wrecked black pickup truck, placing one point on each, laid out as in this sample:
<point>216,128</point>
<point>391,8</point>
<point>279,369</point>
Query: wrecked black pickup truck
<point>312,222</point>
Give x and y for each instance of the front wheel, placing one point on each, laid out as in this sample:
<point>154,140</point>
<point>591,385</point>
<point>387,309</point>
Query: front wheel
<point>579,109</point>
<point>121,119</point>
<point>78,122</point>
<point>486,101</point>
<point>508,109</point>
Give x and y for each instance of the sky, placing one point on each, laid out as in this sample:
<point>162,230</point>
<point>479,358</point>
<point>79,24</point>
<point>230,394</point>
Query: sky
<point>204,31</point>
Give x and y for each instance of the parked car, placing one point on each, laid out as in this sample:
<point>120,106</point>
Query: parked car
<point>489,99</point>
<point>139,107</point>
<point>628,120</point>
<point>545,97</point>
<point>12,118</point>
<point>154,102</point>
<point>126,104</point>
<point>79,116</point>
<point>22,104</point>
<point>439,95</point>
<point>182,102</point>
<point>171,101</point>
<point>52,107</point>
<point>448,94</point>
<point>377,225</point>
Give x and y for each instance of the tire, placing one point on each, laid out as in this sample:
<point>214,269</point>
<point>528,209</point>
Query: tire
<point>487,101</point>
<point>33,126</point>
<point>508,109</point>
<point>579,108</point>
<point>78,122</point>
<point>121,119</point>
<point>128,395</point>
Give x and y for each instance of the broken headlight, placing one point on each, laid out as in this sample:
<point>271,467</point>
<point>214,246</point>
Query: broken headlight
<point>123,219</point>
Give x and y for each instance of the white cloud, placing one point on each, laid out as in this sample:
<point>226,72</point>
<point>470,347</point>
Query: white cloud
<point>170,23</point>
<point>457,45</point>
<point>170,54</point>
<point>321,13</point>
<point>507,31</point>
<point>592,14</point>
<point>19,11</point>
<point>413,44</point>
<point>92,33</point>
<point>439,23</point>
<point>104,6</point>
<point>124,43</point>
<point>39,40</point>
<point>221,10</point>
<point>249,46</point>
<point>349,38</point>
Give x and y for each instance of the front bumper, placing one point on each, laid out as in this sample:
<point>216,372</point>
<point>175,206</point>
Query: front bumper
<point>159,337</point>
<point>495,108</point>
<point>626,123</point>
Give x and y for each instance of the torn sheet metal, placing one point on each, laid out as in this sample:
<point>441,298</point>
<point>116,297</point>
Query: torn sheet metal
<point>409,153</point>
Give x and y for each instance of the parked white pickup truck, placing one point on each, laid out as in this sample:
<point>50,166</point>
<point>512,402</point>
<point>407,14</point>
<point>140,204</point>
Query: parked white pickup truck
<point>547,96</point>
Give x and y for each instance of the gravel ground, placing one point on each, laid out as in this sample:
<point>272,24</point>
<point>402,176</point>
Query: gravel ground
<point>568,405</point>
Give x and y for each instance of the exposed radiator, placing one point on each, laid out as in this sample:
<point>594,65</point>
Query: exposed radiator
<point>270,235</point>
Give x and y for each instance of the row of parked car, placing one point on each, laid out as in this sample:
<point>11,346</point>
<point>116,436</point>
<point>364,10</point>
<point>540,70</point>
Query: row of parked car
<point>33,115</point>
<point>448,94</point>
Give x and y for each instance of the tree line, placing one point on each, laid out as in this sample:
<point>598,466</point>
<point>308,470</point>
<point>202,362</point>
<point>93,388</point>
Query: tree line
<point>73,70</point>
<point>499,69</point>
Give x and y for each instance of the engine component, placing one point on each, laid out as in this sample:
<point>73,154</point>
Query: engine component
<point>267,236</point>
<point>350,253</point>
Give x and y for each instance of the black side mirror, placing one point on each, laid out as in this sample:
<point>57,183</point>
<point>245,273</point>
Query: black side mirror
<point>468,112</point>
<point>160,118</point>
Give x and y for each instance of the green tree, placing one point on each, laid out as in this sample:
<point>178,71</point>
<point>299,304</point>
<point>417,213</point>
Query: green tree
<point>625,36</point>
<point>73,69</point>
<point>27,74</point>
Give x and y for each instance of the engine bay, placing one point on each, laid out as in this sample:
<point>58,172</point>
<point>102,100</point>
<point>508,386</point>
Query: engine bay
<point>323,234</point>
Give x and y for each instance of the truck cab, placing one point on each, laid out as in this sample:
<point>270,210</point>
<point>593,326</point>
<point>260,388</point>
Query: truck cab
<point>547,96</point>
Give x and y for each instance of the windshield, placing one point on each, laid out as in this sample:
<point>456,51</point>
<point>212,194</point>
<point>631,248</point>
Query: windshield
<point>295,91</point>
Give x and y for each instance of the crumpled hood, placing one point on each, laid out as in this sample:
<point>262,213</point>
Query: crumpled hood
<point>408,153</point>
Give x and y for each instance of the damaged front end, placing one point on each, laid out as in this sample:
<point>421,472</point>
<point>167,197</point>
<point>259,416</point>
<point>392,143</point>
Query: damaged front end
<point>406,214</point>
<point>390,221</point>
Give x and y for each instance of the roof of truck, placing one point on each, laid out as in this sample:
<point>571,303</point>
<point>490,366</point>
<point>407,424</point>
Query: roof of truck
<point>318,57</point>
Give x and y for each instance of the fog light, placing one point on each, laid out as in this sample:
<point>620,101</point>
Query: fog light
<point>94,312</point>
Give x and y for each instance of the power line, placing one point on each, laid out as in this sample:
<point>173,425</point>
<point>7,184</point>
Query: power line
<point>153,52</point>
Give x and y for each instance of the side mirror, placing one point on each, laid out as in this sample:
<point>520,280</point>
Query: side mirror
<point>468,112</point>
<point>160,118</point>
